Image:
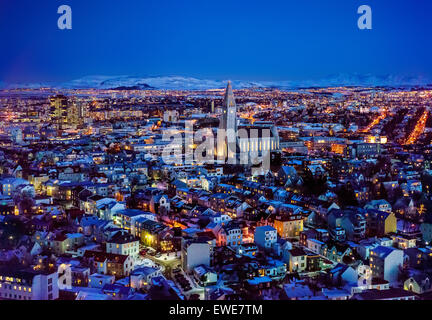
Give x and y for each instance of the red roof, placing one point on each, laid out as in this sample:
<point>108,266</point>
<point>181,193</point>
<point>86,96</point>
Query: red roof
<point>208,234</point>
<point>104,256</point>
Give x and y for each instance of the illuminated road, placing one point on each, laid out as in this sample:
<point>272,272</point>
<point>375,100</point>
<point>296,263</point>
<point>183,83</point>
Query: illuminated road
<point>375,121</point>
<point>419,129</point>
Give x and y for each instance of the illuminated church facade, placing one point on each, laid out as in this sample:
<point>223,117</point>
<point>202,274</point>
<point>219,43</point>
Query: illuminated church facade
<point>244,143</point>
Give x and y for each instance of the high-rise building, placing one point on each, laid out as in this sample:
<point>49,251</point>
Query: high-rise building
<point>65,113</point>
<point>58,110</point>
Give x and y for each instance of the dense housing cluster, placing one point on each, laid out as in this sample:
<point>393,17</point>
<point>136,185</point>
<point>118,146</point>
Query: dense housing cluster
<point>90,210</point>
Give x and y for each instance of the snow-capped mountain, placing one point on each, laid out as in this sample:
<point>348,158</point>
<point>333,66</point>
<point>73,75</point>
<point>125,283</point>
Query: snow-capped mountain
<point>371,80</point>
<point>189,83</point>
<point>27,85</point>
<point>164,82</point>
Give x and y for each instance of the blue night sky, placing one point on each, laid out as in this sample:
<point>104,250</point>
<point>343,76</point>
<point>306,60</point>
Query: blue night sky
<point>213,39</point>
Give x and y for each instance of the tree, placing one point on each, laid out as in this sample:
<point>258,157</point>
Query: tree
<point>276,161</point>
<point>314,185</point>
<point>382,192</point>
<point>397,194</point>
<point>134,183</point>
<point>346,196</point>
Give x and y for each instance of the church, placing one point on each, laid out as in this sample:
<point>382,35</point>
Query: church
<point>243,143</point>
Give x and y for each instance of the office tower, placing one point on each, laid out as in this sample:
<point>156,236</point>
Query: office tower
<point>58,110</point>
<point>66,113</point>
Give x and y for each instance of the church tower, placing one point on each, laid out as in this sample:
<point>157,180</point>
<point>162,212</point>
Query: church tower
<point>229,116</point>
<point>228,126</point>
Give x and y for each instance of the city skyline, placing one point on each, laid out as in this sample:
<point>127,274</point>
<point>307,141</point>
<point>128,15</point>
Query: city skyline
<point>107,194</point>
<point>216,156</point>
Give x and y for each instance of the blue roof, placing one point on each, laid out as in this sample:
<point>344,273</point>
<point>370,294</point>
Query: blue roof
<point>265,228</point>
<point>131,212</point>
<point>258,280</point>
<point>382,251</point>
<point>144,270</point>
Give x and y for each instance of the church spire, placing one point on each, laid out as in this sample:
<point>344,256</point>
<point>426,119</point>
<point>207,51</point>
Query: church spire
<point>229,117</point>
<point>229,100</point>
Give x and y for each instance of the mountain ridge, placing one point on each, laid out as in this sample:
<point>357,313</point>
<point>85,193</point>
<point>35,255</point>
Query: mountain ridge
<point>127,82</point>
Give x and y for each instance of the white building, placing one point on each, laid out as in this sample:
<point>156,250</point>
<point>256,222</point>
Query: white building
<point>265,236</point>
<point>195,252</point>
<point>230,235</point>
<point>385,263</point>
<point>16,135</point>
<point>28,285</point>
<point>10,185</point>
<point>171,116</point>
<point>220,218</point>
<point>98,280</point>
<point>123,243</point>
<point>141,277</point>
<point>381,205</point>
<point>205,276</point>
